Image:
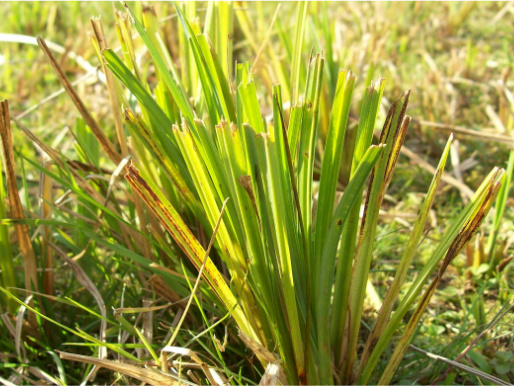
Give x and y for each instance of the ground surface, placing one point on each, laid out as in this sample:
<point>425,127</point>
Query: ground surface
<point>457,59</point>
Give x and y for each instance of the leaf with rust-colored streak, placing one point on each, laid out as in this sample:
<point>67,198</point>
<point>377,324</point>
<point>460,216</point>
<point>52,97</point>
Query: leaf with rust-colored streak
<point>466,233</point>
<point>174,224</point>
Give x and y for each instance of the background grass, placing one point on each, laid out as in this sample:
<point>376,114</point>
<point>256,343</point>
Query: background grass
<point>453,56</point>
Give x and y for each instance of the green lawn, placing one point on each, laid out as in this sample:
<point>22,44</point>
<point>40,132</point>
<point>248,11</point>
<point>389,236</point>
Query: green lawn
<point>255,143</point>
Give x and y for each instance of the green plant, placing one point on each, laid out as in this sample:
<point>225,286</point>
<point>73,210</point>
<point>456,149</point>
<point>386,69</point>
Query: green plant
<point>297,257</point>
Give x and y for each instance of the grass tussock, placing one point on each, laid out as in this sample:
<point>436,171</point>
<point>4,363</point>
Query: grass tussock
<point>232,213</point>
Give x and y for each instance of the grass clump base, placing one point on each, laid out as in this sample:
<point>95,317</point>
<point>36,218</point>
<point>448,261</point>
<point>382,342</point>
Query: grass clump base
<point>258,203</point>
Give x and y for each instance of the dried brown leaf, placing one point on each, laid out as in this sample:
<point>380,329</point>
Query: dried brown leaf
<point>152,377</point>
<point>90,121</point>
<point>22,230</point>
<point>272,374</point>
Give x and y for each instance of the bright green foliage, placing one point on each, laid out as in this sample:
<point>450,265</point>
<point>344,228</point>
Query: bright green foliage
<point>271,232</point>
<point>293,251</point>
